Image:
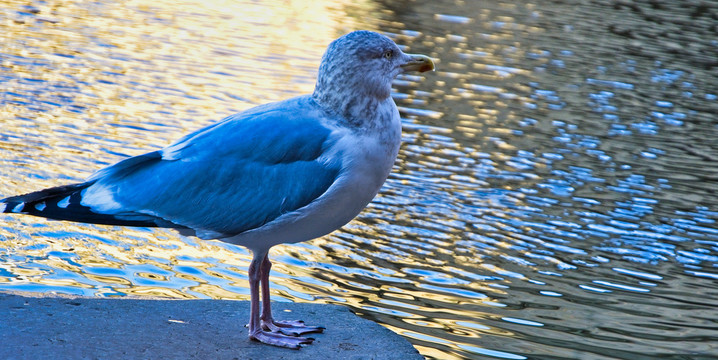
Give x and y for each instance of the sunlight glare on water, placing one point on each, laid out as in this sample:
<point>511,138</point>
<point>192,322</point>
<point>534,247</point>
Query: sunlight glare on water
<point>554,196</point>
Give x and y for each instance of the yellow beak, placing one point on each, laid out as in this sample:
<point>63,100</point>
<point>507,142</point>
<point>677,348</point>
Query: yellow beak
<point>420,63</point>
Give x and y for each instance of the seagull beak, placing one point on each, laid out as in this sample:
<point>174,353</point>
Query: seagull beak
<point>418,63</point>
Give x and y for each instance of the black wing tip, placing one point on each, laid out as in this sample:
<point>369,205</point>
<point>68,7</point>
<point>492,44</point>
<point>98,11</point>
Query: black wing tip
<point>65,203</point>
<point>5,206</point>
<point>11,207</point>
<point>35,202</point>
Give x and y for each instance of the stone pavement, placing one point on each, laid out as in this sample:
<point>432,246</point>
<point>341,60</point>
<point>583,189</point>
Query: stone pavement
<point>38,326</point>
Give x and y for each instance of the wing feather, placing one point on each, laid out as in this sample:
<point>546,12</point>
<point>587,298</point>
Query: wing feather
<point>230,177</point>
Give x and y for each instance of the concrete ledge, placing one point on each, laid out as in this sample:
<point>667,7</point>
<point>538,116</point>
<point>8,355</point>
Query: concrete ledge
<point>37,326</point>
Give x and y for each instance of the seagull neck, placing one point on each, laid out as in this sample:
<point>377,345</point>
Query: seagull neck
<point>357,110</point>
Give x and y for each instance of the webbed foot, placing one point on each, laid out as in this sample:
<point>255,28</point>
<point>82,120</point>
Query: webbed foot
<point>277,339</point>
<point>290,327</point>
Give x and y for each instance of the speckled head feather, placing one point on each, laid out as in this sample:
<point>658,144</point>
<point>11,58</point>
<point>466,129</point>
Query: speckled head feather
<point>356,72</point>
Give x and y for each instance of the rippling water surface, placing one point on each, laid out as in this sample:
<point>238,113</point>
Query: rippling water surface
<point>555,195</point>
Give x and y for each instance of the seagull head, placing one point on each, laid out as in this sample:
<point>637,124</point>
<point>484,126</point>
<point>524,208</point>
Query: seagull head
<point>360,66</point>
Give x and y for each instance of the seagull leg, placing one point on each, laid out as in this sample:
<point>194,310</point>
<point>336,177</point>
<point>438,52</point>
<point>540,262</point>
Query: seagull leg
<point>255,324</point>
<point>288,327</point>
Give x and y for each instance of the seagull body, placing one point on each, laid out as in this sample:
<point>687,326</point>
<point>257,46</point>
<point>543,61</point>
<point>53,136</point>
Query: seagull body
<point>269,175</point>
<point>283,172</point>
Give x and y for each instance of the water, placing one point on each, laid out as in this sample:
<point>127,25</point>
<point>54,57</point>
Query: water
<point>554,197</point>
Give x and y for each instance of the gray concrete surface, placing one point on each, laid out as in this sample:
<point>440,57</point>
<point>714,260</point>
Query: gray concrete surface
<point>37,326</point>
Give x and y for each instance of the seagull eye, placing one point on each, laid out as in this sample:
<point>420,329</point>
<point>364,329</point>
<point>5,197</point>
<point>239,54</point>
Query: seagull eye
<point>388,55</point>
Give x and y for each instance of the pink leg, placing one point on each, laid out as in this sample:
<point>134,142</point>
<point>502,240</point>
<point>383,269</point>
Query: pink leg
<point>255,326</point>
<point>291,327</point>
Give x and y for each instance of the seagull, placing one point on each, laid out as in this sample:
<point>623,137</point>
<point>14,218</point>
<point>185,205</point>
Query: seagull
<point>283,172</point>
